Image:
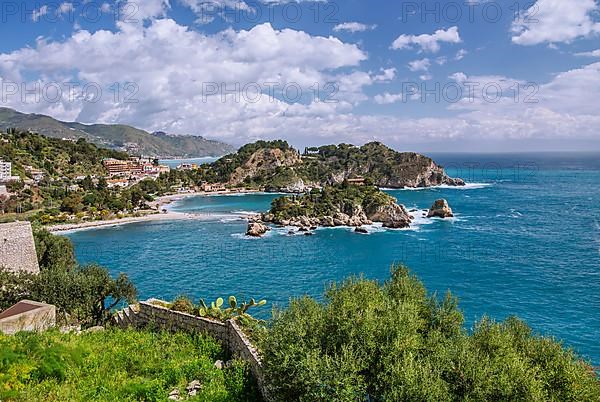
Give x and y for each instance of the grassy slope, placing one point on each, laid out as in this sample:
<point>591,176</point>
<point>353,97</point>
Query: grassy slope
<point>115,365</point>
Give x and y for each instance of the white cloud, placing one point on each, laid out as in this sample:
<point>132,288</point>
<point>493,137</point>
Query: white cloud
<point>388,98</point>
<point>105,8</point>
<point>353,27</point>
<point>458,77</point>
<point>65,8</point>
<point>173,63</point>
<point>142,10</point>
<point>170,62</point>
<point>428,43</point>
<point>554,21</point>
<point>37,14</point>
<point>207,10</point>
<point>593,53</point>
<point>387,74</point>
<point>461,54</point>
<point>419,65</point>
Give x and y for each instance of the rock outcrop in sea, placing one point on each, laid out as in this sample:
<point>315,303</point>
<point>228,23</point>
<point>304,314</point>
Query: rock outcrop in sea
<point>440,209</point>
<point>257,229</point>
<point>394,216</point>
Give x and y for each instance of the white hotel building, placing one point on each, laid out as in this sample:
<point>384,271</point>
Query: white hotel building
<point>5,170</point>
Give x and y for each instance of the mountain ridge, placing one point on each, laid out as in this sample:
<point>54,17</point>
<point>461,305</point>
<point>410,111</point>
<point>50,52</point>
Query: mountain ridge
<point>116,136</point>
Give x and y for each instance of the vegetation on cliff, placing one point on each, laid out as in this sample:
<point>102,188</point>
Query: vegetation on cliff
<point>394,342</point>
<point>275,165</point>
<point>118,365</point>
<point>344,198</point>
<point>56,157</point>
<point>339,205</point>
<point>260,164</point>
<point>382,165</point>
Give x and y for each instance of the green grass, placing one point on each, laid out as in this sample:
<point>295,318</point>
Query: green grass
<point>117,365</point>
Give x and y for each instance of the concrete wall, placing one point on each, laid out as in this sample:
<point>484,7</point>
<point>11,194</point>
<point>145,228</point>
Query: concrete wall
<point>41,318</point>
<point>228,333</point>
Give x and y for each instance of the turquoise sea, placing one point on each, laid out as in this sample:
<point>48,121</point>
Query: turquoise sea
<point>525,241</point>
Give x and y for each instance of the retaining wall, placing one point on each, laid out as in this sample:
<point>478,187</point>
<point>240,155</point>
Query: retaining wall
<point>228,333</point>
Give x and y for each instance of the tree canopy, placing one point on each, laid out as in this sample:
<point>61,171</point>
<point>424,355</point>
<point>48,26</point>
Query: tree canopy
<point>394,342</point>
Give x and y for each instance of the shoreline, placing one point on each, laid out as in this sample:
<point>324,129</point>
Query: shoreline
<point>160,203</point>
<point>157,217</point>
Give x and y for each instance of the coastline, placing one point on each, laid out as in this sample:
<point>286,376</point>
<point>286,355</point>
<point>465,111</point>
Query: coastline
<point>160,204</point>
<point>157,217</point>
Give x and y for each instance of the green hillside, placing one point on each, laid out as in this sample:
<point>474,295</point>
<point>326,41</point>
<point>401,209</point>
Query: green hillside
<point>115,136</point>
<point>275,165</point>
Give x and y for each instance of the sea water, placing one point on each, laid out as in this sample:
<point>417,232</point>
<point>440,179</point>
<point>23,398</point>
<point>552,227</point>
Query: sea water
<point>525,241</point>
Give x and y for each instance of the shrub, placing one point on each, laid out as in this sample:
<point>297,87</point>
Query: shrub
<point>394,342</point>
<point>183,304</point>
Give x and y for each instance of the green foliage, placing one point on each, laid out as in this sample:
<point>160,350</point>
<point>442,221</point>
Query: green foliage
<point>183,304</point>
<point>82,294</point>
<point>221,170</point>
<point>117,365</point>
<point>329,201</point>
<point>235,310</point>
<point>374,161</point>
<point>56,157</point>
<point>394,342</point>
<point>53,251</point>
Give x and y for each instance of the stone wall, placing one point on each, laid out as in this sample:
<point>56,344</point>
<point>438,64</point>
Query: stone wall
<point>17,248</point>
<point>151,314</point>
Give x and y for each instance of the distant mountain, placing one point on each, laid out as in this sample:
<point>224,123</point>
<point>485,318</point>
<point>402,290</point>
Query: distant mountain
<point>116,136</point>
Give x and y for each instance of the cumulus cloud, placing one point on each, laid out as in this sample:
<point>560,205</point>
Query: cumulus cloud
<point>171,65</point>
<point>387,98</point>
<point>460,54</point>
<point>554,21</point>
<point>353,27</point>
<point>426,42</point>
<point>419,65</point>
<point>593,53</point>
<point>458,77</point>
<point>38,13</point>
<point>145,9</point>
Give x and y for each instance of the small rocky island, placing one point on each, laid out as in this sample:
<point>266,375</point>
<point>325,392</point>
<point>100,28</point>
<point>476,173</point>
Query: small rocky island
<point>332,185</point>
<point>339,205</point>
<point>440,209</point>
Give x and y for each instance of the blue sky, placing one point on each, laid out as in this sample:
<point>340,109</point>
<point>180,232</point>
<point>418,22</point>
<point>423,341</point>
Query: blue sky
<point>422,75</point>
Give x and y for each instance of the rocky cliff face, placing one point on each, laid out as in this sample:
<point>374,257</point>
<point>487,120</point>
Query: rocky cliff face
<point>264,161</point>
<point>279,167</point>
<point>393,216</point>
<point>440,209</point>
<point>388,168</point>
<point>424,173</point>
